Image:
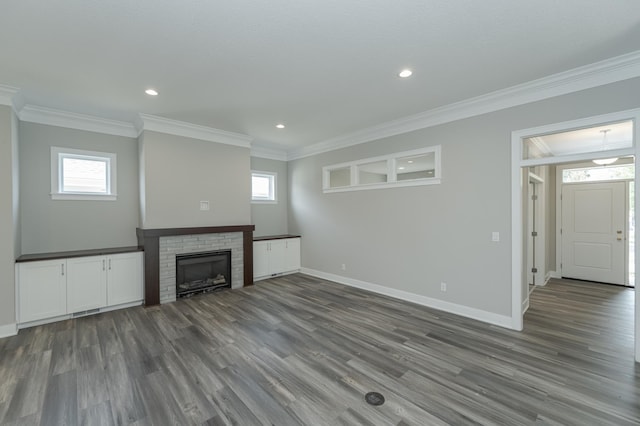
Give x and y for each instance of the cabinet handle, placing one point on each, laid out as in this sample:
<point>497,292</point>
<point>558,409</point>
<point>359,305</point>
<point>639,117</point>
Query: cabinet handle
<point>109,264</point>
<point>62,268</point>
<point>103,261</point>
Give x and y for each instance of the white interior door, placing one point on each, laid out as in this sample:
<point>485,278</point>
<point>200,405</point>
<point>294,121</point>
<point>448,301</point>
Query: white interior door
<point>594,232</point>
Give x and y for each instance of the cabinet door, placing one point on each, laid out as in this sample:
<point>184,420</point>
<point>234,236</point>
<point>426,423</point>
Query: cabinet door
<point>260,259</point>
<point>42,288</point>
<point>86,283</point>
<point>124,278</point>
<point>276,256</point>
<point>292,254</point>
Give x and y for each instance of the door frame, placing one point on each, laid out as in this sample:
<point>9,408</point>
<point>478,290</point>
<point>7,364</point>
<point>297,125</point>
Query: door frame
<point>558,213</point>
<point>518,276</point>
<point>560,225</point>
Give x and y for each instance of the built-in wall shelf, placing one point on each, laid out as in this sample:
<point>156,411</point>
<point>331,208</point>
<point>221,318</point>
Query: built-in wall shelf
<point>275,237</point>
<point>76,253</point>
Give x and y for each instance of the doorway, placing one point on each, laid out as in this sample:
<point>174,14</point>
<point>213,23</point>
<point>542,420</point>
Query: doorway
<point>530,148</point>
<point>596,223</point>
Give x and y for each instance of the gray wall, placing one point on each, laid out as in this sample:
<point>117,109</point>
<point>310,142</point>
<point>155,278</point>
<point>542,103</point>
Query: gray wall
<point>8,220</point>
<point>271,219</point>
<point>60,225</point>
<point>178,173</point>
<point>413,238</point>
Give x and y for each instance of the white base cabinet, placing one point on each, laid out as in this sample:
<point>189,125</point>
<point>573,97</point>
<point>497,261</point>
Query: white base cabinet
<point>51,289</point>
<point>42,290</point>
<point>274,257</point>
<point>124,279</point>
<point>86,283</point>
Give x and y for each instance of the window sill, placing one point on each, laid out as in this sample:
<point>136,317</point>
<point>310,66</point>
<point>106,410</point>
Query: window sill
<point>264,201</point>
<point>84,197</point>
<point>398,184</point>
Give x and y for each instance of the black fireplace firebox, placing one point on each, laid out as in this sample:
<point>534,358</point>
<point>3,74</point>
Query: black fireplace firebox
<point>202,272</point>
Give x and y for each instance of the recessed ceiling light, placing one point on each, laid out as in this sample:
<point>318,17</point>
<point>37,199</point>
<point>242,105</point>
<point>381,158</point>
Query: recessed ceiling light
<point>405,73</point>
<point>410,161</point>
<point>400,168</point>
<point>151,92</point>
<point>280,126</point>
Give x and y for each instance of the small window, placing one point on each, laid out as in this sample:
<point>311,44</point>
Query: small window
<point>340,177</point>
<point>597,174</point>
<point>82,175</point>
<point>263,187</point>
<point>408,168</point>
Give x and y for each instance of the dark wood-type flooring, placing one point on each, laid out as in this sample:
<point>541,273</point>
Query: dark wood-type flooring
<point>300,350</point>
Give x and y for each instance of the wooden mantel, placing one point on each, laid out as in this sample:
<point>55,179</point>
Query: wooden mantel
<point>149,241</point>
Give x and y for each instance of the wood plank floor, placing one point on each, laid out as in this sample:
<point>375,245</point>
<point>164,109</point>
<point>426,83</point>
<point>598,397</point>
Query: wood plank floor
<point>300,350</point>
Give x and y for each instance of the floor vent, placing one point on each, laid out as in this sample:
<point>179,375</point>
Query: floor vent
<point>83,313</point>
<point>374,398</point>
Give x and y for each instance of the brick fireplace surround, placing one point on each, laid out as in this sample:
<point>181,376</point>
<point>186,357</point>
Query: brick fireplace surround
<point>149,241</point>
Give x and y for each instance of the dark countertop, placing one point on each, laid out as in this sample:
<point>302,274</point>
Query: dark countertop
<point>275,237</point>
<point>76,253</point>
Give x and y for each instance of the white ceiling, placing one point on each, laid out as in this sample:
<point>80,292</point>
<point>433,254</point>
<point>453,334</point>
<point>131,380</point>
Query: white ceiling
<point>323,68</point>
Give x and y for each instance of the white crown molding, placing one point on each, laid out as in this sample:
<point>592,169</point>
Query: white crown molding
<point>72,120</point>
<point>454,308</point>
<point>10,96</point>
<point>180,128</point>
<point>268,153</point>
<point>600,73</point>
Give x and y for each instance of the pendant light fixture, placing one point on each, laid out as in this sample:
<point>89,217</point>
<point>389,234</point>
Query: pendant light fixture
<point>605,161</point>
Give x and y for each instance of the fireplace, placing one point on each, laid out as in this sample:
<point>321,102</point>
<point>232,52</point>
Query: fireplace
<point>202,272</point>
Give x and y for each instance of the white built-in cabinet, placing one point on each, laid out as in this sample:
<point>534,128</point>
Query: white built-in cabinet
<point>42,290</point>
<point>49,289</point>
<point>274,257</point>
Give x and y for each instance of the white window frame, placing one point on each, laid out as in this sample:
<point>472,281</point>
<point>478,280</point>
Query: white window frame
<point>273,187</point>
<point>392,181</point>
<point>58,154</point>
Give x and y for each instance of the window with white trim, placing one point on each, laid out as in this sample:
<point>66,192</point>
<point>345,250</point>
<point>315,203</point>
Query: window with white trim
<point>82,175</point>
<point>263,187</point>
<point>408,168</point>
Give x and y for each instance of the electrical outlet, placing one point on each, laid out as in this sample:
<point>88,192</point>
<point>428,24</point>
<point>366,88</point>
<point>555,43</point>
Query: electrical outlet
<point>495,236</point>
<point>204,205</point>
<point>343,267</point>
<point>443,286</point>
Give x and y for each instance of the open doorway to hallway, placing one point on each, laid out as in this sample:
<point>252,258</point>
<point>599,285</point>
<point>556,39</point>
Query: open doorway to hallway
<point>566,143</point>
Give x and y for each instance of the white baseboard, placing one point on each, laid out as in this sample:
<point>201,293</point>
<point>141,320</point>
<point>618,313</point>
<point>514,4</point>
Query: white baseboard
<point>525,305</point>
<point>465,311</point>
<point>555,274</point>
<point>8,330</point>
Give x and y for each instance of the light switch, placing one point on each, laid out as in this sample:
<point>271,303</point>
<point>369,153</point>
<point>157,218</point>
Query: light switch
<point>204,205</point>
<point>495,237</point>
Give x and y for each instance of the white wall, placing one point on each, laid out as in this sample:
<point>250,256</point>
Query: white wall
<point>178,172</point>
<point>412,239</point>
<point>271,219</point>
<point>60,225</point>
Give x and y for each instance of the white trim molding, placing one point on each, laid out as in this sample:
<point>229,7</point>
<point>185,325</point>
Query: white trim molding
<point>72,120</point>
<point>268,153</point>
<point>611,70</point>
<point>441,305</point>
<point>8,330</point>
<point>10,96</point>
<point>180,128</point>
